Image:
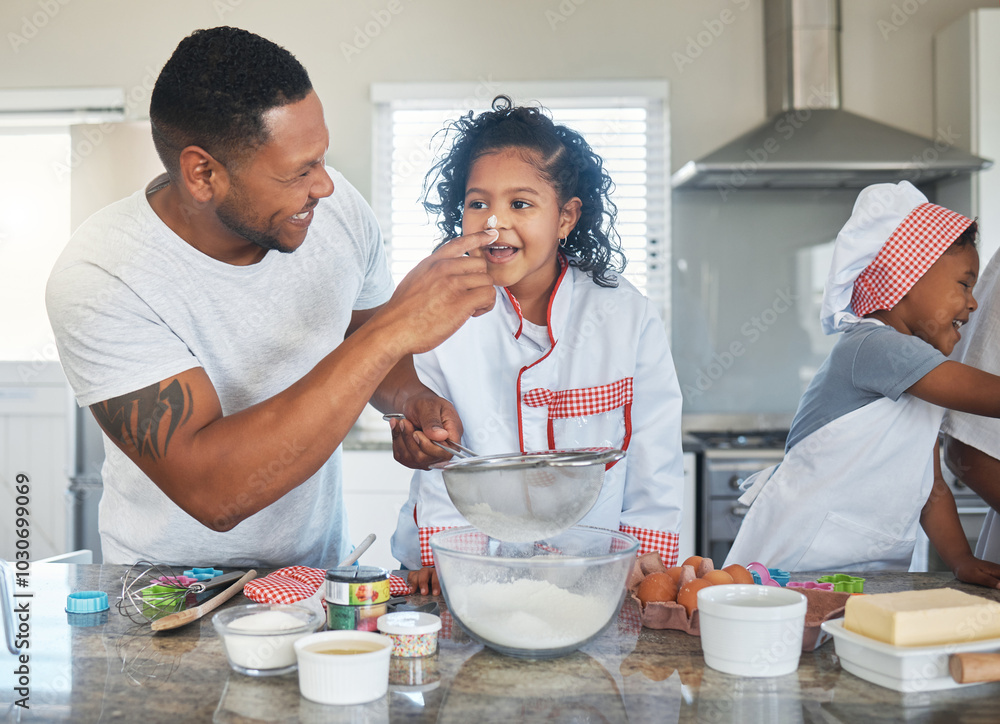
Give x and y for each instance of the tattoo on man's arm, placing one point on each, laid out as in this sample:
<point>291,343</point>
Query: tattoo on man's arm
<point>133,420</point>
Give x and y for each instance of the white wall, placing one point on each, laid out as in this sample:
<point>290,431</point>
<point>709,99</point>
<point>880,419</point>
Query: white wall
<point>887,73</point>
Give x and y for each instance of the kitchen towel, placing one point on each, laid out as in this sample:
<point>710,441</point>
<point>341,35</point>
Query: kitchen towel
<point>295,583</point>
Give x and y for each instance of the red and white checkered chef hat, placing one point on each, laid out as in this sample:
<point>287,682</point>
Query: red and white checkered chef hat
<point>892,238</point>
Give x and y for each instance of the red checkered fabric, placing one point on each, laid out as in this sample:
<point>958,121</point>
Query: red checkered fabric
<point>586,401</point>
<point>295,583</point>
<point>666,544</point>
<point>447,623</point>
<point>426,555</point>
<point>919,240</point>
<point>629,618</point>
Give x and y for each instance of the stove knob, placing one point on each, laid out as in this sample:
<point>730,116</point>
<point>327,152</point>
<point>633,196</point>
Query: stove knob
<point>740,511</point>
<point>735,482</point>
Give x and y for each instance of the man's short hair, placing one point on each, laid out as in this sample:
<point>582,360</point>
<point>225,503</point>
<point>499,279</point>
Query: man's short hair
<point>214,91</point>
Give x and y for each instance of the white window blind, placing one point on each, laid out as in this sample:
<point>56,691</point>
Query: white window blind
<point>625,123</point>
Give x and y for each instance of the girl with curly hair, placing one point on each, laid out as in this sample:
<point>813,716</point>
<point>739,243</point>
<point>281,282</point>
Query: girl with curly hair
<point>571,355</point>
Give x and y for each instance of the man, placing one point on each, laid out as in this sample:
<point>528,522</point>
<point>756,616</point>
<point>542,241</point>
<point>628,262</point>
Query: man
<point>203,320</point>
<point>972,443</point>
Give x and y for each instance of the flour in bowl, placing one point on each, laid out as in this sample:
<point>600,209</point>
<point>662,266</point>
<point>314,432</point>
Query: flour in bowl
<point>530,615</point>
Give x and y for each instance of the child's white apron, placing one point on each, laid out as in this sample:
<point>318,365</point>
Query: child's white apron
<point>847,497</point>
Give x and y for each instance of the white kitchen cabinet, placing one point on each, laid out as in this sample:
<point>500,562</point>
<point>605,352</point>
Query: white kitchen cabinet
<point>967,113</point>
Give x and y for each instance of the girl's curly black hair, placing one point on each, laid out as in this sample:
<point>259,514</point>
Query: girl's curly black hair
<point>562,156</point>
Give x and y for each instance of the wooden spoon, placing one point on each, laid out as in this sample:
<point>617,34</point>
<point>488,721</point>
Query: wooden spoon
<point>181,618</point>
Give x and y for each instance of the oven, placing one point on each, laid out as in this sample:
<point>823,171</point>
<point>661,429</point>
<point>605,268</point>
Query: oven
<point>727,459</point>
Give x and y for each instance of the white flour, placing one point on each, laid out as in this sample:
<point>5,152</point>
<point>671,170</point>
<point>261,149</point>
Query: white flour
<point>530,614</point>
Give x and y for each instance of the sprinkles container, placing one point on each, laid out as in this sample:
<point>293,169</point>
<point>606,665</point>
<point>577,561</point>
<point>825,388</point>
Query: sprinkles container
<point>413,633</point>
<point>355,597</point>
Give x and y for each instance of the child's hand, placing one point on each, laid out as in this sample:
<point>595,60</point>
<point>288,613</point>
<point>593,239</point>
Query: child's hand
<point>425,580</point>
<point>982,573</point>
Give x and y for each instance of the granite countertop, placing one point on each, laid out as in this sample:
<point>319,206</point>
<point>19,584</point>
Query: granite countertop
<point>117,671</point>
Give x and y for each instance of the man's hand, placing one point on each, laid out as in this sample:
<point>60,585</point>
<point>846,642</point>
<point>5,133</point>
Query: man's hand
<point>440,294</point>
<point>428,418</point>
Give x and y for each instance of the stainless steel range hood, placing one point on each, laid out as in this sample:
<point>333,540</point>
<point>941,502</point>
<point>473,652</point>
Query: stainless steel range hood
<point>809,141</point>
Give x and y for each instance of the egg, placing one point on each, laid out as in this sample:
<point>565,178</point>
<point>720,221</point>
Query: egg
<point>688,595</point>
<point>717,578</point>
<point>739,573</point>
<point>694,561</point>
<point>675,573</point>
<point>657,587</point>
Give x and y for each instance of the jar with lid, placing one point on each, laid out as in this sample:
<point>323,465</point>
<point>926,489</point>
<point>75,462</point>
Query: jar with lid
<point>356,596</point>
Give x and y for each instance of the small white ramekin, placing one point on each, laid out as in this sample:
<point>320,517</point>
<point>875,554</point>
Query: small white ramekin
<point>750,630</point>
<point>343,678</point>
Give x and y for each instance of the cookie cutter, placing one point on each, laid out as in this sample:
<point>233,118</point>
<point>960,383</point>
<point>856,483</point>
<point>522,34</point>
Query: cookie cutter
<point>844,583</point>
<point>811,585</point>
<point>202,574</point>
<point>764,576</point>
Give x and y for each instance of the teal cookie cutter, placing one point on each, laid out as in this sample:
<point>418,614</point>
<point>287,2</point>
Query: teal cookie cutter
<point>844,583</point>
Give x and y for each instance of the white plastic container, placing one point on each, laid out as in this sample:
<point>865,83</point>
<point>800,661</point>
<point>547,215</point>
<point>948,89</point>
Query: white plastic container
<point>751,630</point>
<point>413,633</point>
<point>358,673</point>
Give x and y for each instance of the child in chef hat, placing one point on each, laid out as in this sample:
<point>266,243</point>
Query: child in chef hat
<point>861,468</point>
<point>572,355</point>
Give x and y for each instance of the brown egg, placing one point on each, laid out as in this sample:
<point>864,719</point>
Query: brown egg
<point>657,587</point>
<point>739,573</point>
<point>717,578</point>
<point>694,561</point>
<point>688,595</point>
<point>675,573</point>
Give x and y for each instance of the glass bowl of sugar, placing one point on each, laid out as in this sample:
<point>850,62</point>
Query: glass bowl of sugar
<point>534,600</point>
<point>258,638</point>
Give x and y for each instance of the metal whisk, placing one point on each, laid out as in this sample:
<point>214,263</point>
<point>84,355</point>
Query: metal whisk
<point>154,590</point>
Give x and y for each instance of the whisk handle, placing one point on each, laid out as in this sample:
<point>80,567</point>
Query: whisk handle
<point>216,581</point>
<point>181,618</point>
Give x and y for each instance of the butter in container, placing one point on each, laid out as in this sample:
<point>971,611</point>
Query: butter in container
<point>413,633</point>
<point>356,596</point>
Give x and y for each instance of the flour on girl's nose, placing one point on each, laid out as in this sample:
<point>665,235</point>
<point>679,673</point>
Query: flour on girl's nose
<point>491,223</point>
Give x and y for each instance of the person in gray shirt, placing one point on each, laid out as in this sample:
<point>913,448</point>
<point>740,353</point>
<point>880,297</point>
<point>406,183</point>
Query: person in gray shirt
<point>227,324</point>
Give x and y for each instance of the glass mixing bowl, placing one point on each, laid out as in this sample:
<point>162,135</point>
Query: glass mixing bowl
<point>534,600</point>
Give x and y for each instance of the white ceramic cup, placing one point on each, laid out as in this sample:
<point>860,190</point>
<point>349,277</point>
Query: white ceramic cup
<point>352,678</point>
<point>750,630</point>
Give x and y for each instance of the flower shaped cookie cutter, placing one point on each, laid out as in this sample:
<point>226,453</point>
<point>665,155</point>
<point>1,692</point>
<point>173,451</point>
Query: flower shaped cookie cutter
<point>844,583</point>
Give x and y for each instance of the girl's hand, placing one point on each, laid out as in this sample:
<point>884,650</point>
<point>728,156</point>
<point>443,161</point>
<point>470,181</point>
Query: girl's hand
<point>425,580</point>
<point>980,572</point>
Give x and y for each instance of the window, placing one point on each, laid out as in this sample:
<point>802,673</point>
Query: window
<point>37,154</point>
<point>34,227</point>
<point>625,122</point>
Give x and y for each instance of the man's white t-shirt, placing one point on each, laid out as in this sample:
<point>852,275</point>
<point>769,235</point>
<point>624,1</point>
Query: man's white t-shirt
<point>132,304</point>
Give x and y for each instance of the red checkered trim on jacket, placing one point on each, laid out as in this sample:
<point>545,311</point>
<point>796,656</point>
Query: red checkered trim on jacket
<point>666,544</point>
<point>295,583</point>
<point>580,402</point>
<point>919,241</point>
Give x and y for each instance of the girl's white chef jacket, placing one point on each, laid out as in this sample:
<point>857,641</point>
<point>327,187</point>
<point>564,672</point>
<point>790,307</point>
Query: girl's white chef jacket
<point>607,379</point>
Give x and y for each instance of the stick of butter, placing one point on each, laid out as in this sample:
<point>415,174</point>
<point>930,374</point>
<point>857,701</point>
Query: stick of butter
<point>923,618</point>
